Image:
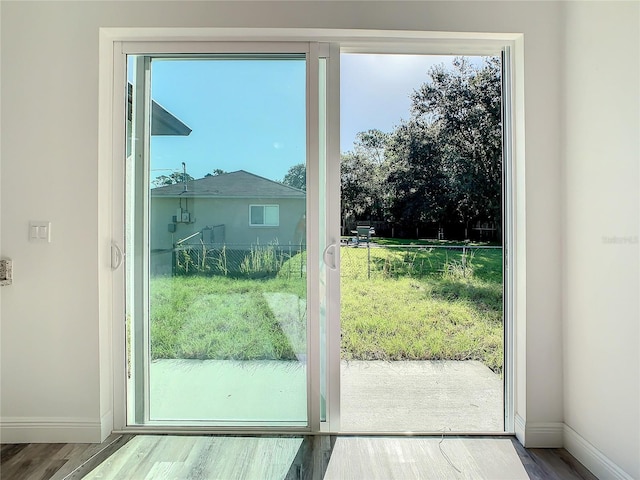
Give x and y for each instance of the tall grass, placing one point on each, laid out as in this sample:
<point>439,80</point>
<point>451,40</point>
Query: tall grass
<point>244,261</point>
<point>422,304</point>
<point>419,304</point>
<point>220,318</point>
<point>262,260</point>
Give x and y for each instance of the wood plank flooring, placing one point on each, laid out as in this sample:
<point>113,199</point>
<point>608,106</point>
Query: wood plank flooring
<point>53,461</point>
<point>551,464</point>
<point>425,458</point>
<point>163,457</point>
<point>36,461</point>
<point>191,457</point>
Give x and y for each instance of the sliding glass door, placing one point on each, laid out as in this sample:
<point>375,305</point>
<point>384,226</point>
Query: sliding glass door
<point>279,278</point>
<point>219,206</point>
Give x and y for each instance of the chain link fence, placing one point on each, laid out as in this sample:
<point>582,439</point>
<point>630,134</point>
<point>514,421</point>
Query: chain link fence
<point>366,260</point>
<point>234,260</point>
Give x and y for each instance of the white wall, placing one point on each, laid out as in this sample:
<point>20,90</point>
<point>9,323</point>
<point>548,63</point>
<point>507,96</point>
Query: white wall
<point>601,105</point>
<point>50,334</point>
<point>49,328</point>
<point>50,81</point>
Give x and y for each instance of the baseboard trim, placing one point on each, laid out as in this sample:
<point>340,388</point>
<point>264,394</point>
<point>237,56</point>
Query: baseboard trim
<point>50,430</point>
<point>106,425</point>
<point>592,458</point>
<point>541,435</point>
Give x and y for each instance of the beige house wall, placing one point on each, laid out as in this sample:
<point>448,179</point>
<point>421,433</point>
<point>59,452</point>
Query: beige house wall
<point>233,213</point>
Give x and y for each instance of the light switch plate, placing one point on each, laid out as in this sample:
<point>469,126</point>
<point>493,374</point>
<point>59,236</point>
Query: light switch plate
<point>40,232</point>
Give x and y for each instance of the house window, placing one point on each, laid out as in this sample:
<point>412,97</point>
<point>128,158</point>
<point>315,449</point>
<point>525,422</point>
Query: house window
<point>264,215</point>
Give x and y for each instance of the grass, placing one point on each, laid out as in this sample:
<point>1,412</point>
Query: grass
<point>399,242</point>
<point>418,304</point>
<point>224,318</point>
<point>422,304</point>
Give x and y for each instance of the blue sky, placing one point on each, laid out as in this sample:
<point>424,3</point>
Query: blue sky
<point>251,114</point>
<point>244,115</point>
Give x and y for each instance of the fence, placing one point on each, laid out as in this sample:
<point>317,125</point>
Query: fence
<point>235,260</point>
<point>359,261</point>
<point>370,260</point>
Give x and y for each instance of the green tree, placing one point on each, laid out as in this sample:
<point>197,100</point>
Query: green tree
<point>416,180</point>
<point>362,175</point>
<point>372,144</point>
<point>175,177</point>
<point>216,171</point>
<point>462,107</point>
<point>296,177</point>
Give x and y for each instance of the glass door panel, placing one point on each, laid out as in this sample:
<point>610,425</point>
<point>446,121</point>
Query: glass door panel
<point>422,327</point>
<point>217,240</point>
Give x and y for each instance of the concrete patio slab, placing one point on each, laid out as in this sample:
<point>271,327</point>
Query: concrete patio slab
<point>418,396</point>
<point>228,391</point>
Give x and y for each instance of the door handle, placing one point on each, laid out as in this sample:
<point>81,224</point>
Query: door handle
<point>330,250</point>
<point>117,256</point>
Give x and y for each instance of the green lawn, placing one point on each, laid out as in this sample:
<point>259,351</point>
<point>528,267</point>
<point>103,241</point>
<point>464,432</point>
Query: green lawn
<point>422,304</point>
<point>417,304</point>
<point>223,318</point>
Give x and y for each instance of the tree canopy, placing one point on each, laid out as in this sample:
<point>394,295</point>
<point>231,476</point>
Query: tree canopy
<point>175,177</point>
<point>296,177</point>
<point>215,172</point>
<point>442,165</point>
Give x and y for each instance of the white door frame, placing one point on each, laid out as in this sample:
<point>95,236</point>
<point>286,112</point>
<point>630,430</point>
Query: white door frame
<point>140,369</point>
<point>197,40</point>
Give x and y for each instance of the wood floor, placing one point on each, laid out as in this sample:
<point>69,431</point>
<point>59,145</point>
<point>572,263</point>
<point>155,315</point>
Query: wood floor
<point>288,458</point>
<point>54,461</point>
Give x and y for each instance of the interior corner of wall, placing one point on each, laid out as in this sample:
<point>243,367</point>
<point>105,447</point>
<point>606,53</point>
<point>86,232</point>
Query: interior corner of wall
<point>106,425</point>
<point>592,458</point>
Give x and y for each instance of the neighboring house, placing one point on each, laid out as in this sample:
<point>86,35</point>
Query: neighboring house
<point>237,209</point>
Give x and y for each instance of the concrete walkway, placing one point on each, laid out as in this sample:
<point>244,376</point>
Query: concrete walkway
<point>376,396</point>
<point>228,391</point>
<point>420,396</point>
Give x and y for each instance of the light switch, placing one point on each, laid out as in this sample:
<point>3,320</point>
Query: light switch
<point>40,232</point>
